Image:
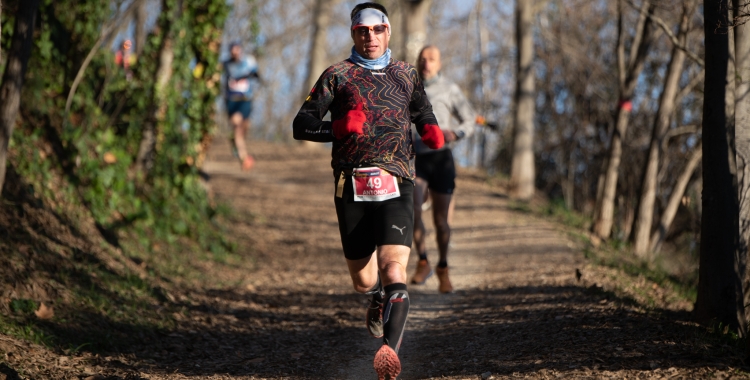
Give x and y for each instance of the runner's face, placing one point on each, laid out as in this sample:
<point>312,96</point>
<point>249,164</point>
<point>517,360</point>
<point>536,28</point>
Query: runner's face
<point>429,63</point>
<point>236,52</point>
<point>371,45</point>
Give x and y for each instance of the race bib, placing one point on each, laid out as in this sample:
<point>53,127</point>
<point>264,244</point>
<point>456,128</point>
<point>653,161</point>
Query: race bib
<point>374,185</point>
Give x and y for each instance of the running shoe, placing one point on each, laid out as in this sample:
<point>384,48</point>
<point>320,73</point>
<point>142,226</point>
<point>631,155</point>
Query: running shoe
<point>426,205</point>
<point>422,273</point>
<point>375,318</point>
<point>445,282</point>
<point>386,363</point>
<point>248,163</point>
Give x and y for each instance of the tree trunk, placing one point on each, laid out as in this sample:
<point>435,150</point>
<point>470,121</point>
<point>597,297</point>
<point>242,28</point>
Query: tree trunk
<point>415,28</point>
<point>742,138</point>
<point>522,164</point>
<point>674,199</point>
<point>719,285</point>
<point>158,107</point>
<point>1,45</point>
<point>645,212</point>
<point>628,73</point>
<point>318,52</point>
<point>141,16</point>
<point>15,69</point>
<point>481,133</point>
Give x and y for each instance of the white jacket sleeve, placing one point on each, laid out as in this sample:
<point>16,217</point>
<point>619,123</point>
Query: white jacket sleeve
<point>464,112</point>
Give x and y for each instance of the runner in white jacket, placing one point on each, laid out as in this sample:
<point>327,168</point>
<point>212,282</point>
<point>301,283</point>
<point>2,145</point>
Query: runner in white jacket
<point>435,169</point>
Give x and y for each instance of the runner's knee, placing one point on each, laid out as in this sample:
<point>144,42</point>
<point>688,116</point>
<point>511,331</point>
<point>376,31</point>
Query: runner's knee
<point>393,272</point>
<point>441,226</point>
<point>362,287</point>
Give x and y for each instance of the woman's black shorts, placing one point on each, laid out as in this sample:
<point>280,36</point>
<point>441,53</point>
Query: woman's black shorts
<point>364,226</point>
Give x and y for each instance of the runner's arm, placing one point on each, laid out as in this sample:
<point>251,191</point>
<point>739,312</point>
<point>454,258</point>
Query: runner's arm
<point>464,112</point>
<point>308,124</point>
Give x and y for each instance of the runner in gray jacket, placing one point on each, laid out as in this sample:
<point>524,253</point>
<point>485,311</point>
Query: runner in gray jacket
<point>435,169</point>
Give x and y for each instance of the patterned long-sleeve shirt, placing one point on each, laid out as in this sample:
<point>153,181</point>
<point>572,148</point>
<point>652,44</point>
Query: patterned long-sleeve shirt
<point>393,98</point>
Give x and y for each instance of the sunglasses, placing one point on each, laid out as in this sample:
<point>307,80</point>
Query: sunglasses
<point>365,30</point>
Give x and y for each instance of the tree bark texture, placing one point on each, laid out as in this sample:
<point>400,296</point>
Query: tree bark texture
<point>719,285</point>
<point>522,163</point>
<point>15,69</point>
<point>415,28</point>
<point>742,139</point>
<point>628,73</point>
<point>675,198</point>
<point>645,211</point>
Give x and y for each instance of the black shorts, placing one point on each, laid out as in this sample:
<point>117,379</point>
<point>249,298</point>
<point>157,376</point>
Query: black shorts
<point>244,107</point>
<point>364,226</point>
<point>438,169</point>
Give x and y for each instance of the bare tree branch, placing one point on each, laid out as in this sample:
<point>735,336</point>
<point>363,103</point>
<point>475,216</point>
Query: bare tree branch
<point>663,25</point>
<point>682,130</point>
<point>695,81</point>
<point>108,31</point>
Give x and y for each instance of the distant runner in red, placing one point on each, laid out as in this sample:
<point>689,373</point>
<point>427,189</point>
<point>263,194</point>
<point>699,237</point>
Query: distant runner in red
<point>373,100</point>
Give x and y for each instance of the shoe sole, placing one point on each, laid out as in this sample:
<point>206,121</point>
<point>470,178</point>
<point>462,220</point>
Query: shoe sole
<point>425,279</point>
<point>386,363</point>
<point>367,323</point>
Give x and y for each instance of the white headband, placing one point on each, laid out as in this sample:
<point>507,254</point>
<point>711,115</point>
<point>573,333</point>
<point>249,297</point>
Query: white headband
<point>370,17</point>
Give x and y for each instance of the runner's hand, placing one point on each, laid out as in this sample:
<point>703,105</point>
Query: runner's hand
<point>353,122</point>
<point>432,136</point>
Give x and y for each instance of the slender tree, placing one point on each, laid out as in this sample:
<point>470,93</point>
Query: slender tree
<point>629,70</point>
<point>141,16</point>
<point>678,191</point>
<point>15,69</point>
<point>318,53</point>
<point>415,28</point>
<point>645,211</point>
<point>147,148</point>
<point>742,132</point>
<point>719,284</point>
<point>522,164</point>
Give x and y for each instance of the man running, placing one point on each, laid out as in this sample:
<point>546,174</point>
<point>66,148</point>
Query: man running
<point>240,71</point>
<point>373,100</point>
<point>436,169</point>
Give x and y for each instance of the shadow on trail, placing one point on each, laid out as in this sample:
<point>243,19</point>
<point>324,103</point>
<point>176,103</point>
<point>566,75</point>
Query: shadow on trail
<point>522,330</point>
<point>238,333</point>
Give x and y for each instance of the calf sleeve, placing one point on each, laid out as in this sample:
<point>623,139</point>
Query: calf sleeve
<point>395,311</point>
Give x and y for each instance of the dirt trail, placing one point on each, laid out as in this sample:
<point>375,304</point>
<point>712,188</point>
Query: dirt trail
<point>518,310</point>
<point>284,308</point>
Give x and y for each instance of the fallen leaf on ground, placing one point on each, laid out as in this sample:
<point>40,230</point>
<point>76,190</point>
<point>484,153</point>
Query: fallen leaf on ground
<point>44,312</point>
